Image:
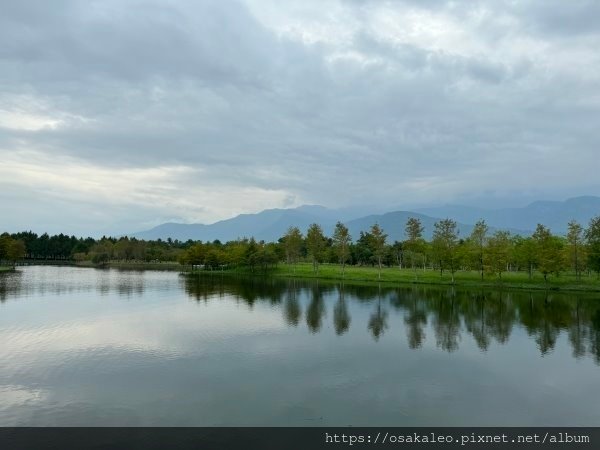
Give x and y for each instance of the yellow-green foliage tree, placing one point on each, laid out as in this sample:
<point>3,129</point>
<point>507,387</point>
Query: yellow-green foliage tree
<point>575,248</point>
<point>592,236</point>
<point>341,244</point>
<point>11,250</point>
<point>315,245</point>
<point>549,251</point>
<point>476,244</point>
<point>414,245</point>
<point>445,245</point>
<point>498,252</point>
<point>292,243</point>
<point>378,238</point>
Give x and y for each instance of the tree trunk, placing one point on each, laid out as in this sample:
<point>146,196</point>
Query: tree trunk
<point>481,266</point>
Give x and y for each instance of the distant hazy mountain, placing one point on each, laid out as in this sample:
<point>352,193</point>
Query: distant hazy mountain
<point>553,214</point>
<point>393,224</point>
<point>269,225</point>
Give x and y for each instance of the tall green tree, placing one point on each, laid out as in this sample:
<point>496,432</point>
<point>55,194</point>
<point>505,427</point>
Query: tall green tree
<point>398,253</point>
<point>4,243</point>
<point>592,236</point>
<point>477,243</point>
<point>11,250</point>
<point>445,245</point>
<point>315,244</point>
<point>549,251</point>
<point>498,252</point>
<point>362,251</point>
<point>341,244</point>
<point>414,244</point>
<point>525,253</point>
<point>292,242</point>
<point>378,238</point>
<point>413,229</point>
<point>575,248</point>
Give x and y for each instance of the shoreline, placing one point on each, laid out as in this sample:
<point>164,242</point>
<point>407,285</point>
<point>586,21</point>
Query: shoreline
<point>369,276</point>
<point>405,277</point>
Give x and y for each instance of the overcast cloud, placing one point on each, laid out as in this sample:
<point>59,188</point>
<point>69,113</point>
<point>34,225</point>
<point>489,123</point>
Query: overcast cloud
<point>119,115</point>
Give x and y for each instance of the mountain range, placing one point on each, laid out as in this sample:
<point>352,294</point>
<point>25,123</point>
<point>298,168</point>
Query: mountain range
<point>271,224</point>
<point>554,214</point>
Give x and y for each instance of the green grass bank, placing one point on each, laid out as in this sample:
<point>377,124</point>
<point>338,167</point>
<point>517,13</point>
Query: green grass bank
<point>394,275</point>
<point>389,275</point>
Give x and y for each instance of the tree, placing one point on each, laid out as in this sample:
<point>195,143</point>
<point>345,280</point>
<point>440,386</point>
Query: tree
<point>292,241</point>
<point>4,243</point>
<point>592,236</point>
<point>477,241</point>
<point>341,244</point>
<point>575,248</point>
<point>100,258</point>
<point>525,253</point>
<point>398,253</point>
<point>498,252</point>
<point>363,253</point>
<point>315,244</point>
<point>549,251</point>
<point>445,245</point>
<point>213,258</point>
<point>414,230</point>
<point>11,250</point>
<point>266,257</point>
<point>378,244</point>
<point>414,244</point>
<point>251,254</point>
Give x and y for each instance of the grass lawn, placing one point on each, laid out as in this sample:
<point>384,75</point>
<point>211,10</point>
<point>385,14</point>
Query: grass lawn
<point>518,280</point>
<point>6,269</point>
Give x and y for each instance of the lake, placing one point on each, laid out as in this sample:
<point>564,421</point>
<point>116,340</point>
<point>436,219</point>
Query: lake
<point>85,346</point>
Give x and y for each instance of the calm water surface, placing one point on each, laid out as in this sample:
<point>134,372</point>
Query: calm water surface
<point>107,347</point>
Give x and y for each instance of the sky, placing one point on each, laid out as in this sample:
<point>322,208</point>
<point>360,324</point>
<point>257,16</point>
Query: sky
<point>116,115</point>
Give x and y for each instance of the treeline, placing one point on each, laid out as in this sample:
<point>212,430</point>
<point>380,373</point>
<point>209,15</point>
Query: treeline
<point>483,251</point>
<point>61,247</point>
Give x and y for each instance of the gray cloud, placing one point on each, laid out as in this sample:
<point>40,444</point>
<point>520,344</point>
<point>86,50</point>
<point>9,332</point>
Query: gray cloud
<point>207,109</point>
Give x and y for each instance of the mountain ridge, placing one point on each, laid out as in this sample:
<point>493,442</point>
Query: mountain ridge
<point>271,224</point>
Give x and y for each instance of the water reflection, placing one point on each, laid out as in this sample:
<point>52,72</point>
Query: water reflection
<point>58,281</point>
<point>378,319</point>
<point>487,316</point>
<point>292,309</point>
<point>341,314</point>
<point>10,285</point>
<point>316,309</point>
<point>107,347</point>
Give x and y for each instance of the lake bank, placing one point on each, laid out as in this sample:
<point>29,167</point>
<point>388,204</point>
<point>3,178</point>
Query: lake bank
<point>172,266</point>
<point>406,276</point>
<point>370,275</point>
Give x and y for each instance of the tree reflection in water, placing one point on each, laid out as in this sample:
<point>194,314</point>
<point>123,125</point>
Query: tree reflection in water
<point>487,315</point>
